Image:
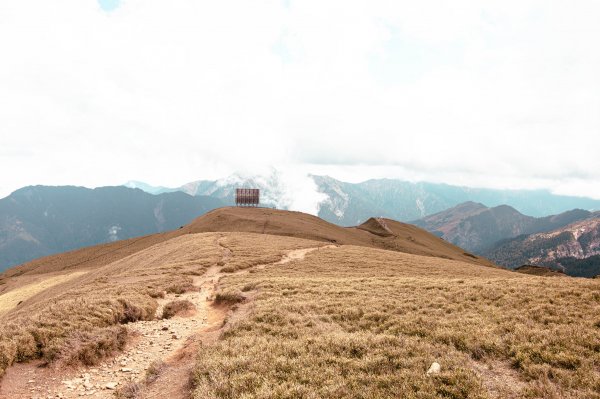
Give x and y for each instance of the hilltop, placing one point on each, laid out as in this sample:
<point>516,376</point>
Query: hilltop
<point>403,238</point>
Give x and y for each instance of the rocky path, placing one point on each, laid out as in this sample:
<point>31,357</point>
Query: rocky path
<point>171,343</point>
<point>153,342</point>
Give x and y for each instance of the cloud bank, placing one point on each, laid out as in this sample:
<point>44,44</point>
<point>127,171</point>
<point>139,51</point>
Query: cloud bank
<point>495,93</point>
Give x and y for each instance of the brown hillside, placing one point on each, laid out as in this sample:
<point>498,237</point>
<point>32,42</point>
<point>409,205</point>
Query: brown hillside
<point>89,257</point>
<point>353,318</point>
<point>394,235</point>
<point>377,226</point>
<point>404,238</point>
<point>414,240</point>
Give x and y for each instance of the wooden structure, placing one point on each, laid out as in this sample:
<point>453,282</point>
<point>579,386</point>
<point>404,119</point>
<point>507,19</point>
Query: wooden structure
<point>247,197</point>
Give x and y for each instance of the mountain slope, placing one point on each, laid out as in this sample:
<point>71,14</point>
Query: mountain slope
<point>39,221</point>
<point>349,204</point>
<point>574,249</point>
<point>477,228</point>
<point>310,318</point>
<point>402,237</point>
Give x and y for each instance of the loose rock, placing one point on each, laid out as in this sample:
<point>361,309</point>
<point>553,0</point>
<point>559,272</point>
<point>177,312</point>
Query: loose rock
<point>435,368</point>
<point>111,385</point>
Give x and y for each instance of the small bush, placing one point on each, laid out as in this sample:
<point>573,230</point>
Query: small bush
<point>131,390</point>
<point>181,288</point>
<point>8,352</point>
<point>229,298</point>
<point>156,294</point>
<point>249,287</point>
<point>133,312</point>
<point>26,346</point>
<point>88,348</point>
<point>154,371</point>
<point>174,307</point>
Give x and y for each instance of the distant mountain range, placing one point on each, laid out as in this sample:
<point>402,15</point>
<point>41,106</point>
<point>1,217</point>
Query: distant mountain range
<point>39,221</point>
<point>569,241</point>
<point>573,249</point>
<point>477,228</point>
<point>350,204</point>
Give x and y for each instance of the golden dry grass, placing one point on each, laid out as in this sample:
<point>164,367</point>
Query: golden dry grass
<point>11,299</point>
<point>355,322</point>
<point>73,322</point>
<point>404,237</point>
<point>347,322</point>
<point>176,307</point>
<point>259,249</point>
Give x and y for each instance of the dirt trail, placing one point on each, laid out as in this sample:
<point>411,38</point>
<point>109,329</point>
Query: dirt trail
<point>173,342</point>
<point>296,254</point>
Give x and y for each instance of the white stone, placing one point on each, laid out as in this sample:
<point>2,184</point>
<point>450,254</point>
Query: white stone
<point>435,368</point>
<point>111,385</point>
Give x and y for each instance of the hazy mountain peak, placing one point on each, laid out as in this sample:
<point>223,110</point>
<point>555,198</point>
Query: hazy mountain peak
<point>147,187</point>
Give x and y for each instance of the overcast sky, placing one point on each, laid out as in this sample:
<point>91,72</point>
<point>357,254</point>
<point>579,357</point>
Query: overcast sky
<point>480,93</point>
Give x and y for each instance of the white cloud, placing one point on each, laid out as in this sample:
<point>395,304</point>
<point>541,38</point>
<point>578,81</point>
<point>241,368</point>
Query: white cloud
<point>495,93</point>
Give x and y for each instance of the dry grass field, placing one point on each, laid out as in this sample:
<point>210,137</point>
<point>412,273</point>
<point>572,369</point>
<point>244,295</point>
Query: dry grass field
<point>75,322</point>
<point>13,298</point>
<point>74,318</point>
<point>355,322</point>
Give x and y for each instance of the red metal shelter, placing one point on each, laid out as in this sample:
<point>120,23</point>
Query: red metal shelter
<point>247,197</point>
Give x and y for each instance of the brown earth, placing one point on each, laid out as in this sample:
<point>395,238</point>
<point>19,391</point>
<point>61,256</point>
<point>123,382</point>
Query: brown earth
<point>395,236</point>
<point>403,238</point>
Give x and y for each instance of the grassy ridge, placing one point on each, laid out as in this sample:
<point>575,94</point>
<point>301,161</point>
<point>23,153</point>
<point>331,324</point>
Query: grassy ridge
<point>362,323</point>
<point>81,324</point>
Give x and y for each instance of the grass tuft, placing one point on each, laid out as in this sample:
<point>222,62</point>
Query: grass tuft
<point>229,298</point>
<point>154,371</point>
<point>175,307</point>
<point>88,348</point>
<point>130,390</point>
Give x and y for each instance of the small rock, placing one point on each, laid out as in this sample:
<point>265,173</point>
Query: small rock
<point>111,385</point>
<point>435,368</point>
<point>126,370</point>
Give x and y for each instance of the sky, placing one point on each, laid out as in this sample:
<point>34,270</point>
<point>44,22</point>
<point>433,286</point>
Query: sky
<point>502,94</point>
